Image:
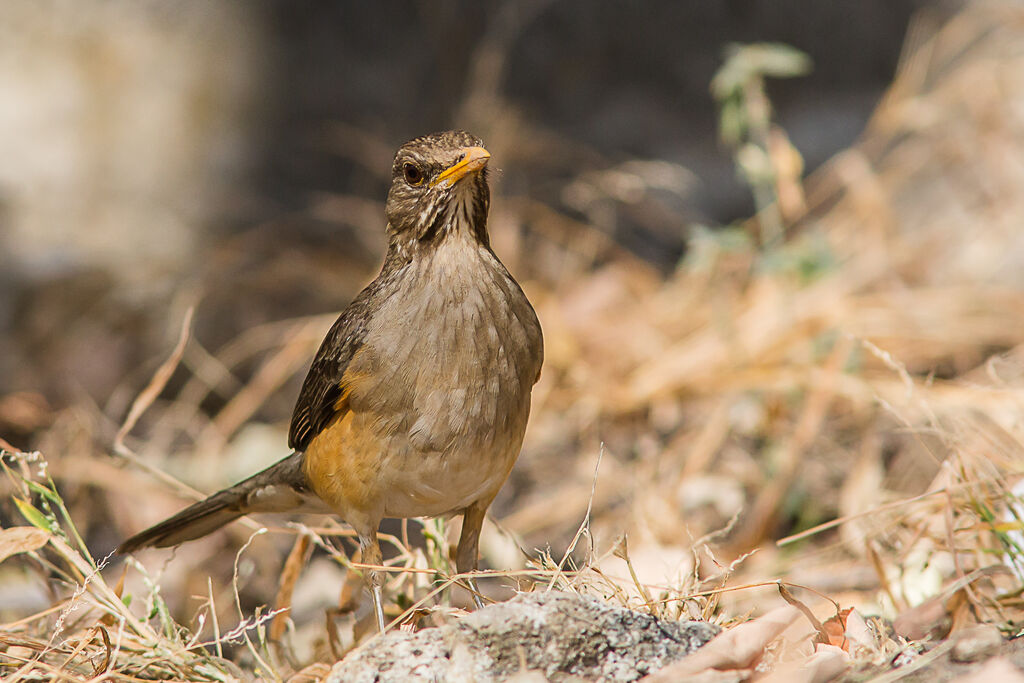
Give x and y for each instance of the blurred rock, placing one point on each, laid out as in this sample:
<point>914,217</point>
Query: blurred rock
<point>980,642</point>
<point>1001,669</point>
<point>122,125</point>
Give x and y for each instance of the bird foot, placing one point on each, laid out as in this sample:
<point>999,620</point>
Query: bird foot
<point>378,608</point>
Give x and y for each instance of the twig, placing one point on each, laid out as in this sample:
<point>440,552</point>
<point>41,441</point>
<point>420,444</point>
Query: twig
<point>155,386</point>
<point>145,400</point>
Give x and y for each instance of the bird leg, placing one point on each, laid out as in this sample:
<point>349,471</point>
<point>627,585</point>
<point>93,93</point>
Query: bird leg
<point>369,553</point>
<point>466,556</point>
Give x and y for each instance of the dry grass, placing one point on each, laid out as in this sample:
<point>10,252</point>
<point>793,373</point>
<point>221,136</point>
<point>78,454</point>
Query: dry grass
<point>843,412</point>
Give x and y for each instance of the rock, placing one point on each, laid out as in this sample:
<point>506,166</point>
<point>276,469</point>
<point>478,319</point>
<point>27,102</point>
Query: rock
<point>980,642</point>
<point>999,670</point>
<point>559,636</point>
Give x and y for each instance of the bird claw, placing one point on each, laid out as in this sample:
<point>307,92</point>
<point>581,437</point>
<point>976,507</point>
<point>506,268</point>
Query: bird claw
<point>475,592</point>
<point>378,608</point>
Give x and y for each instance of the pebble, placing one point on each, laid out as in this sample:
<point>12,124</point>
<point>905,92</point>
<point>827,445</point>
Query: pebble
<point>980,642</point>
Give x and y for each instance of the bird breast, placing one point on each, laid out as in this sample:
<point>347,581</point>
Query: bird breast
<point>454,350</point>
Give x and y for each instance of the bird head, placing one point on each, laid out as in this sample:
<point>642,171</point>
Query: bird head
<point>439,187</point>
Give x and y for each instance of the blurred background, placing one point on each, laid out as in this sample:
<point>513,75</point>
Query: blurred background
<point>247,151</point>
<point>792,296</point>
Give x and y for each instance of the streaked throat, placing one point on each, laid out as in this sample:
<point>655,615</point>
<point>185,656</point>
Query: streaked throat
<point>459,213</point>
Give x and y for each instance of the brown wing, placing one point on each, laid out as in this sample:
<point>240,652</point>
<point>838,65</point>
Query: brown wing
<point>323,387</point>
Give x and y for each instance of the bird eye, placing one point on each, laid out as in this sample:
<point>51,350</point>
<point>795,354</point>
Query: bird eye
<point>413,175</point>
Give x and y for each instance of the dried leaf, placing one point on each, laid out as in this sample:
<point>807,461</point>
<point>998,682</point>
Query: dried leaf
<point>832,632</point>
<point>835,629</point>
<point>738,648</point>
<point>860,634</point>
<point>21,539</point>
<point>292,568</point>
<point>109,619</point>
<point>825,664</point>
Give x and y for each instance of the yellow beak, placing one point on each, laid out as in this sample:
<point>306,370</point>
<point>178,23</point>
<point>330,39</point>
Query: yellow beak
<point>474,158</point>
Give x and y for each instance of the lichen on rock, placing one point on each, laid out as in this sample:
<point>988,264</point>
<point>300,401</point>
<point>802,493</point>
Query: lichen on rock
<point>561,636</point>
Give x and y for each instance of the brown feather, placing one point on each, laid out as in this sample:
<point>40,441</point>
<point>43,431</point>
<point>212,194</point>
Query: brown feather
<point>279,488</point>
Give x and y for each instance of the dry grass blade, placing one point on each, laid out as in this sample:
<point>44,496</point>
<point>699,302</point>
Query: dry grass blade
<point>156,384</point>
<point>73,641</point>
<point>583,524</point>
<point>273,372</point>
<point>292,568</point>
<point>145,399</point>
<point>765,509</point>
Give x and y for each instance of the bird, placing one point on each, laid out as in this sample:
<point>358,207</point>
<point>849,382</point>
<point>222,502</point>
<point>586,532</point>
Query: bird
<point>416,403</point>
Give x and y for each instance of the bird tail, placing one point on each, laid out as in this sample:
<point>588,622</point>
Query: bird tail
<point>279,488</point>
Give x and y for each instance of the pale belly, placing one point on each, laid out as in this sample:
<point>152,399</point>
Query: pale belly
<point>434,484</point>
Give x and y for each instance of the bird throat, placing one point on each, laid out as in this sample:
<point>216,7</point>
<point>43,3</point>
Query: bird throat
<point>460,212</point>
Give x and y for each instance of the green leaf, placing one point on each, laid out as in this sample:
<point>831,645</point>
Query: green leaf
<point>777,60</point>
<point>732,125</point>
<point>44,492</point>
<point>35,517</point>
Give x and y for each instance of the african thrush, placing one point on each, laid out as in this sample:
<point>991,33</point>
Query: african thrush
<point>417,401</point>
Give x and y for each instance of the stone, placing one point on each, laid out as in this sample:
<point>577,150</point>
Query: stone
<point>555,636</point>
<point>975,644</point>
